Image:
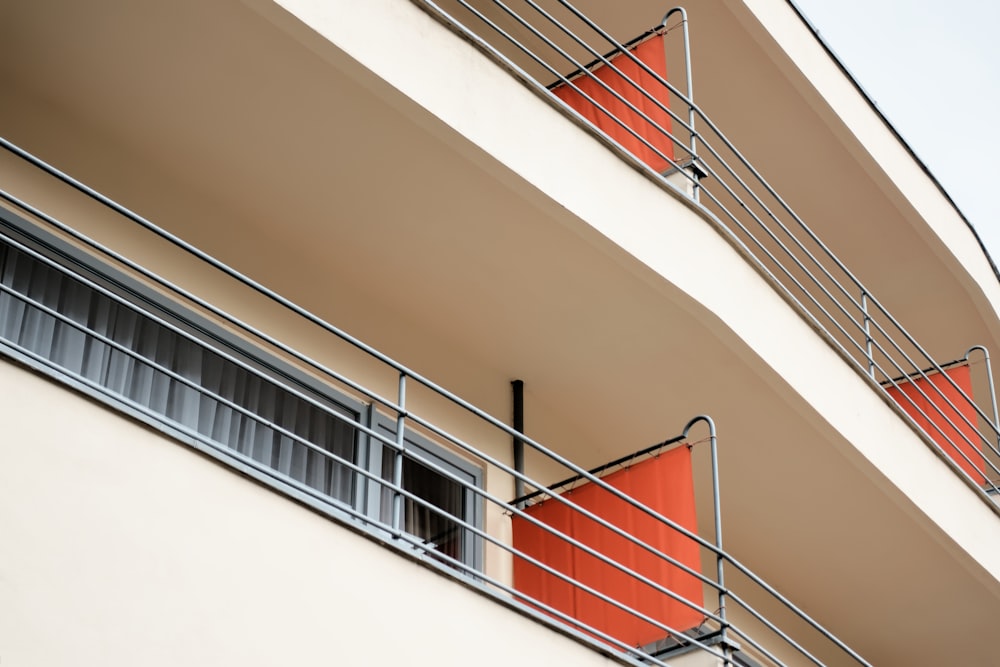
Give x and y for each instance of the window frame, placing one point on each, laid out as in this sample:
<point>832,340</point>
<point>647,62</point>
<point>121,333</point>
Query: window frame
<point>427,452</point>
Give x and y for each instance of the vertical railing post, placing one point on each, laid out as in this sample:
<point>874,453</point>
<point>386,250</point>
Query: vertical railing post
<point>397,469</point>
<point>693,136</point>
<point>868,333</point>
<point>989,383</point>
<point>717,510</point>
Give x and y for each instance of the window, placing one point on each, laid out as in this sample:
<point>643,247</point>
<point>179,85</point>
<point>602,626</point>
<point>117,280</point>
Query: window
<point>141,351</point>
<point>430,473</point>
<point>90,335</point>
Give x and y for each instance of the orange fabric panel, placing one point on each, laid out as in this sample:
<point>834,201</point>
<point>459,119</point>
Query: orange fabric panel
<point>665,485</point>
<point>651,52</point>
<point>951,433</point>
<point>549,549</point>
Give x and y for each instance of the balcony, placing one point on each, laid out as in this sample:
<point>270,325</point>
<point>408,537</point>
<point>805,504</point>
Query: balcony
<point>87,316</point>
<point>327,166</point>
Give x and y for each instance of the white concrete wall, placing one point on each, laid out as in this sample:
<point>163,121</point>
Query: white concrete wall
<point>122,547</point>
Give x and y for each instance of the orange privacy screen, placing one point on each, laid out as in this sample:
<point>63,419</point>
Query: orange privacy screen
<point>651,53</point>
<point>665,485</point>
<point>954,431</point>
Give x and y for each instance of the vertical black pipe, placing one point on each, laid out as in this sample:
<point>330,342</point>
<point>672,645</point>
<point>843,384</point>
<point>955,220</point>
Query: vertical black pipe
<point>517,391</point>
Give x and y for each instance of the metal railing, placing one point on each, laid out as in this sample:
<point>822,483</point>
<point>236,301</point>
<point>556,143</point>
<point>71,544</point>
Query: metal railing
<point>718,635</point>
<point>547,39</point>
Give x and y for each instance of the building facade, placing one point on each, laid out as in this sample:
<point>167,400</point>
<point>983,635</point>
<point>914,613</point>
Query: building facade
<point>461,331</point>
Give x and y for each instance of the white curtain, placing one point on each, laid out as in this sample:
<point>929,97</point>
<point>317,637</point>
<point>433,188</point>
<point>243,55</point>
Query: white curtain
<point>437,526</point>
<point>140,376</point>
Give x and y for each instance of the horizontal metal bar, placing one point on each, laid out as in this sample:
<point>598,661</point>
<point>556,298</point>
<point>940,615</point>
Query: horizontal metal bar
<point>173,328</point>
<point>773,628</point>
<point>198,301</point>
<point>597,105</point>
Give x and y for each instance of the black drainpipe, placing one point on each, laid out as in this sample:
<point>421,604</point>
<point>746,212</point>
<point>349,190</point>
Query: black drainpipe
<point>517,389</point>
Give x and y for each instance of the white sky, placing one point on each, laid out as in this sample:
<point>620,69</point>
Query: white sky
<point>933,68</point>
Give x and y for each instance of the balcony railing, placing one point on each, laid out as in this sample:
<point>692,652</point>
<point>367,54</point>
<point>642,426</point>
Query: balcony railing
<point>552,45</point>
<point>82,312</point>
